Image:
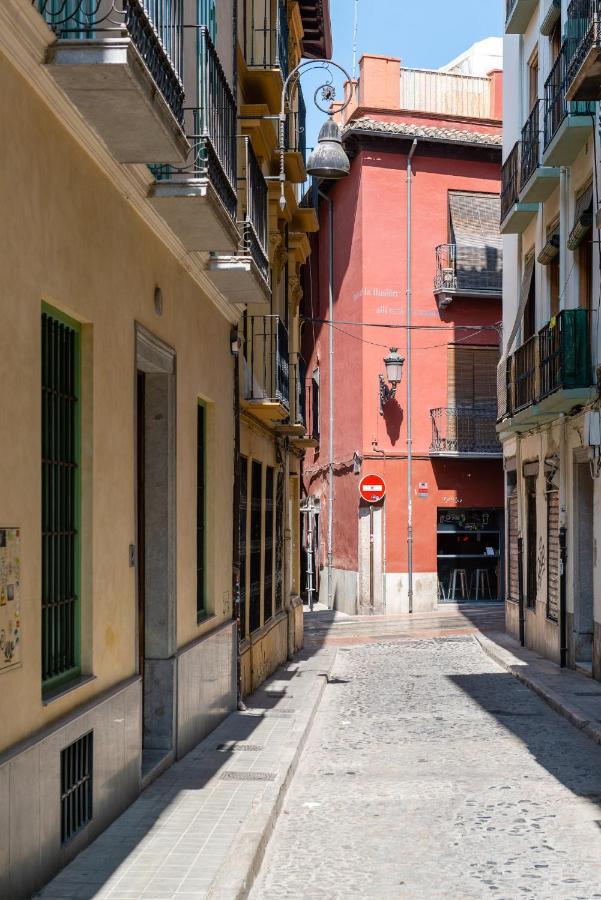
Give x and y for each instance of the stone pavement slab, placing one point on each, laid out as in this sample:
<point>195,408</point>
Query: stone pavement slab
<point>569,693</point>
<point>201,828</point>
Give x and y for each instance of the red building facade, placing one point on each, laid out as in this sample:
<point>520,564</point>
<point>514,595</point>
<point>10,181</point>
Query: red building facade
<point>450,123</point>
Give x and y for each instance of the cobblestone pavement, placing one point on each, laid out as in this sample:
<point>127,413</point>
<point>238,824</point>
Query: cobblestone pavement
<point>430,772</point>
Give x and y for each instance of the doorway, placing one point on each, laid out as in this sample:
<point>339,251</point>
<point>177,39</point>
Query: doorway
<point>531,539</point>
<point>583,567</point>
<point>155,543</point>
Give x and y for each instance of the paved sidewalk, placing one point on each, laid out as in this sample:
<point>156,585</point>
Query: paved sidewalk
<point>200,830</point>
<point>569,693</point>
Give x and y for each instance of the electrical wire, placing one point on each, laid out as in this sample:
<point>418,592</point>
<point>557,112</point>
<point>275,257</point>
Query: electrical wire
<point>449,327</point>
<point>356,337</point>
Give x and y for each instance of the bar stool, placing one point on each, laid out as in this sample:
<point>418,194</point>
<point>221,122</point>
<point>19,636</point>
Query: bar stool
<point>481,585</point>
<point>460,574</point>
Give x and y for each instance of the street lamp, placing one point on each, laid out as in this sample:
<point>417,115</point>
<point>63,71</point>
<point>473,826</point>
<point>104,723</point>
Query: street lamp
<point>328,159</point>
<point>394,373</point>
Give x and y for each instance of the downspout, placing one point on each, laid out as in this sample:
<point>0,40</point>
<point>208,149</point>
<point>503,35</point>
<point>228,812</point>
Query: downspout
<point>330,397</point>
<point>408,365</point>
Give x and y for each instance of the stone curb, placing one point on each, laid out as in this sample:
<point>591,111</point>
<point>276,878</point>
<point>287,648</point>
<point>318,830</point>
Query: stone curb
<point>557,702</point>
<point>240,868</point>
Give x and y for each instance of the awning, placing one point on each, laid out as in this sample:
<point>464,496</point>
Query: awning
<point>474,226</point>
<point>583,218</point>
<point>553,14</point>
<point>524,292</point>
<point>550,250</point>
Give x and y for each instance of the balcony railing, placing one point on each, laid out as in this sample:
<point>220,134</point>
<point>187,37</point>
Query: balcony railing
<point>583,33</point>
<point>301,392</point>
<point>252,208</point>
<point>556,105</point>
<point>265,34</point>
<point>469,270</point>
<point>296,126</point>
<point>154,27</point>
<point>557,358</point>
<point>465,430</point>
<point>210,128</point>
<point>510,181</point>
<point>530,153</point>
<point>266,355</point>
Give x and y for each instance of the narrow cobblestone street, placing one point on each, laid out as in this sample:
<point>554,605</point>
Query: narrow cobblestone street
<point>431,772</point>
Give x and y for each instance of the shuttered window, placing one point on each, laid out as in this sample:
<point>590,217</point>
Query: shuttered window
<point>243,540</point>
<point>472,376</point>
<point>553,555</point>
<point>512,548</point>
<point>255,545</point>
<point>60,499</point>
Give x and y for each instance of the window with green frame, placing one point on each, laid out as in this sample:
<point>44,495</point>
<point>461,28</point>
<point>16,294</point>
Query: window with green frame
<point>201,474</point>
<point>61,616</point>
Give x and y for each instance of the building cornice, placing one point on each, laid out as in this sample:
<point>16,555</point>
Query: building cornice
<point>24,38</point>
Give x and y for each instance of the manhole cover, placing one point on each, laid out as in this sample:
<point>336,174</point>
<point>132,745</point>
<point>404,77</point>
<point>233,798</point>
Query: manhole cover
<point>237,746</point>
<point>247,776</point>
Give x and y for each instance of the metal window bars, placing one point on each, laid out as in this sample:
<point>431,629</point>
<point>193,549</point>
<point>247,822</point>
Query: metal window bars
<point>265,34</point>
<point>301,391</point>
<point>76,786</point>
<point>556,105</point>
<point>295,130</point>
<point>469,269</point>
<point>266,354</point>
<point>252,210</point>
<point>210,128</point>
<point>465,429</point>
<point>525,372</point>
<point>510,180</point>
<point>530,156</point>
<point>154,26</point>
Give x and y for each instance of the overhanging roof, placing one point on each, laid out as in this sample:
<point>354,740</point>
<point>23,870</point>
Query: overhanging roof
<point>317,27</point>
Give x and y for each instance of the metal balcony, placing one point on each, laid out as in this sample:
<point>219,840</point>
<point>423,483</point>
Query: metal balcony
<point>568,124</point>
<point>264,41</point>
<point>518,14</point>
<point>295,426</point>
<point>119,62</point>
<point>549,374</point>
<point>469,271</point>
<point>265,368</point>
<point>583,38</point>
<point>295,140</point>
<point>198,200</point>
<point>467,431</point>
<point>515,215</point>
<point>537,182</point>
<point>243,276</point>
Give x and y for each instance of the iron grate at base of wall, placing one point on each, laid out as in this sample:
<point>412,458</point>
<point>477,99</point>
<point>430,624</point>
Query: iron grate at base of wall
<point>236,746</point>
<point>247,776</point>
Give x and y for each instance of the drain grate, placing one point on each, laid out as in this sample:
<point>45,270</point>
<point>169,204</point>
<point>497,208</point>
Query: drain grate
<point>247,776</point>
<point>237,746</point>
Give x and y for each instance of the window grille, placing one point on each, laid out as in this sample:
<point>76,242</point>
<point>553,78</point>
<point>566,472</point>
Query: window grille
<point>268,579</point>
<point>60,499</point>
<point>512,542</point>
<point>255,545</point>
<point>76,786</point>
<point>201,511</point>
<point>553,555</point>
<point>243,551</point>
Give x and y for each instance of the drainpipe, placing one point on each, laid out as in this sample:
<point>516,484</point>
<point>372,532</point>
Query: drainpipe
<point>408,369</point>
<point>331,397</point>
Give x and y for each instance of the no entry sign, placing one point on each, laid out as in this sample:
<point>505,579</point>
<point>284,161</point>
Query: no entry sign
<point>372,488</point>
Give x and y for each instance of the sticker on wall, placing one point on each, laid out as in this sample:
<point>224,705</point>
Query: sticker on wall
<point>10,598</point>
<point>422,490</point>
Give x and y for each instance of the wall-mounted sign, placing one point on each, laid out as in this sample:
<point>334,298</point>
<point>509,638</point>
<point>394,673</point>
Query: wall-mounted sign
<point>10,599</point>
<point>422,490</point>
<point>372,488</point>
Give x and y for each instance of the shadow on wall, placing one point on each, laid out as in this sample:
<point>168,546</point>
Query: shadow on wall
<point>393,417</point>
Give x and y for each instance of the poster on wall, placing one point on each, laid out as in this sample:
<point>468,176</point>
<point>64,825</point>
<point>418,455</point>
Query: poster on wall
<point>10,597</point>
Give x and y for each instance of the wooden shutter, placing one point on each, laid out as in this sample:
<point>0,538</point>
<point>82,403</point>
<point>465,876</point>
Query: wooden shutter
<point>512,547</point>
<point>553,555</point>
<point>472,375</point>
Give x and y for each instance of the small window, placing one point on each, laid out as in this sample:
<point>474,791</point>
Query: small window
<point>76,786</point>
<point>201,454</point>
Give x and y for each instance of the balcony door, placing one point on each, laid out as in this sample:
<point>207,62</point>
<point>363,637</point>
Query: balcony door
<point>583,565</point>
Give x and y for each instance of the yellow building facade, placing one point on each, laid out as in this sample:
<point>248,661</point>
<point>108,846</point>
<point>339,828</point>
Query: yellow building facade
<point>139,239</point>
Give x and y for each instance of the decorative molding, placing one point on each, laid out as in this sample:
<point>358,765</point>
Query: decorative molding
<point>24,38</point>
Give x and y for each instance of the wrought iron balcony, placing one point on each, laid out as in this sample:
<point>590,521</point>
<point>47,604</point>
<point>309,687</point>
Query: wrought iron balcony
<point>265,379</point>
<point>518,14</point>
<point>515,215</point>
<point>253,218</point>
<point>550,373</point>
<point>583,38</point>
<point>295,139</point>
<point>265,35</point>
<point>530,146</point>
<point>465,431</point>
<point>120,62</point>
<point>301,392</point>
<point>469,271</point>
<point>199,199</point>
<point>568,124</point>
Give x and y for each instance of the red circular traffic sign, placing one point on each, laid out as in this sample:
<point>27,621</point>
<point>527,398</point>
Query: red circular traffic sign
<point>372,488</point>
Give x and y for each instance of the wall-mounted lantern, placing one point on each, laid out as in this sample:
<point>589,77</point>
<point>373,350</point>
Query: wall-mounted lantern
<point>394,373</point>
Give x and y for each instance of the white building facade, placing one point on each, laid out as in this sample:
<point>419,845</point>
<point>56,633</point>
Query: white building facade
<point>547,380</point>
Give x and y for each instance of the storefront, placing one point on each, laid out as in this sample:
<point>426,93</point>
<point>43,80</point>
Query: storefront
<point>469,553</point>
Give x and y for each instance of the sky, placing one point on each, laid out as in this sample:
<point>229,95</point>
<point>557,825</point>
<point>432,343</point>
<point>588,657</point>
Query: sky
<point>423,33</point>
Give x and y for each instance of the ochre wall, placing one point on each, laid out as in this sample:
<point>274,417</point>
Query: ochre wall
<point>70,239</point>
